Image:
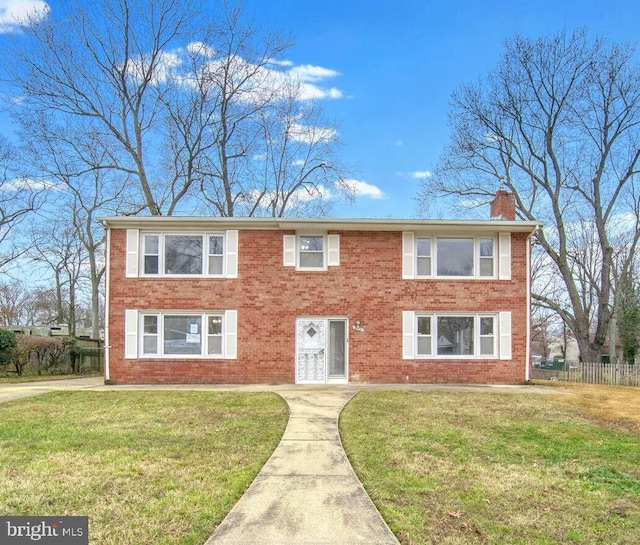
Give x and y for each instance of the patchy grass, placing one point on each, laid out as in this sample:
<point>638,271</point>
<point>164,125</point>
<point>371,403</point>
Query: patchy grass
<point>465,468</point>
<point>611,405</point>
<point>13,378</point>
<point>146,467</point>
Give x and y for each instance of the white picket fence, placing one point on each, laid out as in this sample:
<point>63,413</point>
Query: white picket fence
<point>618,374</point>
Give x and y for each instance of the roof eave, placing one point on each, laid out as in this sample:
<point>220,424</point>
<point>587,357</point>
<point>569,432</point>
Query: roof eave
<point>317,224</point>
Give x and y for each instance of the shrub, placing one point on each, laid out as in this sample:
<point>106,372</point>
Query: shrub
<point>7,347</point>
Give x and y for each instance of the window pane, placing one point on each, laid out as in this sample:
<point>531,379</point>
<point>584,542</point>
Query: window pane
<point>486,266</point>
<point>486,346</point>
<point>486,326</point>
<point>424,266</point>
<point>150,344</point>
<point>215,325</point>
<point>182,335</point>
<point>215,245</point>
<point>151,244</point>
<point>215,264</point>
<point>313,244</point>
<point>150,325</point>
<point>150,264</point>
<point>215,345</point>
<point>486,247</point>
<point>455,335</point>
<point>424,346</point>
<point>424,247</point>
<point>424,325</point>
<point>455,257</point>
<point>183,254</point>
<point>312,260</point>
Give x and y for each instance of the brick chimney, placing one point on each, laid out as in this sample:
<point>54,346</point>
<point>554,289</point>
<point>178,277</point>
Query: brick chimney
<point>503,206</point>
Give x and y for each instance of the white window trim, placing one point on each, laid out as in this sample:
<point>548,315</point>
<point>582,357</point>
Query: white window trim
<point>501,335</point>
<point>330,251</point>
<point>324,252</point>
<point>229,254</point>
<point>410,256</point>
<point>229,334</point>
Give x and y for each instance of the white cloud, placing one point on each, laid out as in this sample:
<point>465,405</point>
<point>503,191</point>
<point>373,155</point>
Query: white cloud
<point>280,63</point>
<point>363,189</point>
<point>18,184</point>
<point>311,92</point>
<point>313,74</point>
<point>165,68</point>
<point>200,48</point>
<point>399,143</point>
<point>298,162</point>
<point>310,134</point>
<point>417,174</point>
<point>15,12</point>
<point>276,78</point>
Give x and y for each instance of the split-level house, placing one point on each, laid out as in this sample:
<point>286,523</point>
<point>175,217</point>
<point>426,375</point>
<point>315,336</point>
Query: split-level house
<point>312,301</point>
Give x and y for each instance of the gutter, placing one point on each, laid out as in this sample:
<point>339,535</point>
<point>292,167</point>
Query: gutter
<point>107,277</point>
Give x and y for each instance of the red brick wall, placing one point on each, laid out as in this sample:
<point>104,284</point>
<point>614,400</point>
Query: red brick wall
<point>367,285</point>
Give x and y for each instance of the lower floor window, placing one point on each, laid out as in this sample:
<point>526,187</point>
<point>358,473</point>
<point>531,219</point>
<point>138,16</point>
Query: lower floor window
<point>182,334</point>
<point>455,335</point>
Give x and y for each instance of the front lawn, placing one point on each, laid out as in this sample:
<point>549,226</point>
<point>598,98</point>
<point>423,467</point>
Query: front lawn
<point>146,467</point>
<point>465,468</point>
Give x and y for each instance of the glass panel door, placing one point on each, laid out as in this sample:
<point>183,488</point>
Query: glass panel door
<point>337,348</point>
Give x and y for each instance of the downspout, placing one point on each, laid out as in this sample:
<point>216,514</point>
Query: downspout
<point>527,371</point>
<point>107,278</point>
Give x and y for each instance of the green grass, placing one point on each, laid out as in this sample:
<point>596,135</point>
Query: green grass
<point>457,468</point>
<point>146,467</point>
<point>13,378</point>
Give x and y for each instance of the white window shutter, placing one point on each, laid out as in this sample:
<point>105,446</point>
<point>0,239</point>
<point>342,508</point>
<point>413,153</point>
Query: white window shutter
<point>504,252</point>
<point>289,250</point>
<point>505,335</point>
<point>130,334</point>
<point>133,243</point>
<point>408,334</point>
<point>408,255</point>
<point>231,254</point>
<point>231,334</point>
<point>333,250</point>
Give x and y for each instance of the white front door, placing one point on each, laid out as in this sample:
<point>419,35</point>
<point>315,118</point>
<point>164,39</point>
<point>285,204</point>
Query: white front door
<point>321,351</point>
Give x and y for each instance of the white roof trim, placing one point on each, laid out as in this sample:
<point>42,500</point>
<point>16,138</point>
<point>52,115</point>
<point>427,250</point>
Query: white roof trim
<point>317,224</point>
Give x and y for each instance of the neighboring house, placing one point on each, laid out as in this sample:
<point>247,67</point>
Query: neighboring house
<point>251,300</point>
<point>568,346</point>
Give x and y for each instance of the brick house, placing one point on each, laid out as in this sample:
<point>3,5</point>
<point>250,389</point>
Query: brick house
<point>254,300</point>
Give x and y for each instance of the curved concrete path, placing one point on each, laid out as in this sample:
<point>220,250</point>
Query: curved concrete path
<point>307,493</point>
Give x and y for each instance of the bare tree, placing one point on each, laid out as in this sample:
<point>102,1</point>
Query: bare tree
<point>558,124</point>
<point>14,304</point>
<point>171,95</point>
<point>19,197</point>
<point>103,63</point>
<point>60,249</point>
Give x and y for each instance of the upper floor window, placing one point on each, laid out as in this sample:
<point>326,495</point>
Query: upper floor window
<point>311,252</point>
<point>451,257</point>
<point>180,254</point>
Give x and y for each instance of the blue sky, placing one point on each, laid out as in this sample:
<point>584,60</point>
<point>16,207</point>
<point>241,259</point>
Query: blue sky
<point>399,63</point>
<point>391,67</point>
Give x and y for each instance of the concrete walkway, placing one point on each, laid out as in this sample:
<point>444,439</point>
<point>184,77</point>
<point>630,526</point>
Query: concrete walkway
<point>11,392</point>
<point>307,493</point>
